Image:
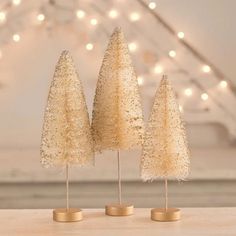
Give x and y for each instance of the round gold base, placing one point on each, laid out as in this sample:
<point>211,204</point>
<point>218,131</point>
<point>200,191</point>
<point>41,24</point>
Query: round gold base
<point>119,210</point>
<point>70,215</point>
<point>160,214</point>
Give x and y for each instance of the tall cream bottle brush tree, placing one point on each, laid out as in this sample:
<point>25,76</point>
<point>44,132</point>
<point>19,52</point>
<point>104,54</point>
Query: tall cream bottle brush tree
<point>165,150</point>
<point>117,122</point>
<point>66,135</point>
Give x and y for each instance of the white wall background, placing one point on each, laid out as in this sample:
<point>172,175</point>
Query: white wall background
<point>27,67</point>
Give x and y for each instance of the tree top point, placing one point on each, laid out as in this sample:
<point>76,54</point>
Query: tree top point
<point>65,53</point>
<point>165,76</point>
<point>165,80</point>
<point>118,29</point>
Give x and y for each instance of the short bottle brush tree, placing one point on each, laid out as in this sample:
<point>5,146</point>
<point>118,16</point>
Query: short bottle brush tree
<point>165,152</point>
<point>66,136</point>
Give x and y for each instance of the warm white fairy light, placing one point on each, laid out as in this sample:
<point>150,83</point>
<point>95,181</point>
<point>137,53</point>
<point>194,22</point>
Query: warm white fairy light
<point>94,21</point>
<point>80,14</point>
<point>16,37</point>
<point>134,16</point>
<point>16,2</point>
<point>206,68</point>
<point>188,92</point>
<point>113,13</point>
<point>172,53</point>
<point>41,17</point>
<point>132,46</point>
<point>140,80</point>
<point>204,96</point>
<point>152,5</point>
<point>180,35</point>
<point>89,46</point>
<point>158,69</point>
<point>181,108</point>
<point>223,84</point>
<point>2,16</point>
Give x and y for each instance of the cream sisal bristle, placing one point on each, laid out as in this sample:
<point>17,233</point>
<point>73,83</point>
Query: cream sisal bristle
<point>117,121</point>
<point>66,136</point>
<point>165,149</point>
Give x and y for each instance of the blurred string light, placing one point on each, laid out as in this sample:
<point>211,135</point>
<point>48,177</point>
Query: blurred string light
<point>89,46</point>
<point>140,80</point>
<point>223,84</point>
<point>180,35</point>
<point>206,68</point>
<point>113,13</point>
<point>2,17</point>
<point>181,108</point>
<point>93,21</point>
<point>204,96</point>
<point>16,37</point>
<point>134,16</point>
<point>80,14</point>
<point>172,53</point>
<point>41,17</point>
<point>188,92</point>
<point>132,46</point>
<point>152,5</point>
<point>158,69</point>
<point>16,2</point>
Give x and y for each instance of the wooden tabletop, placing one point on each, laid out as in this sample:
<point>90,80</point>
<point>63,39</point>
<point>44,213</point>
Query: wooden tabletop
<point>195,221</point>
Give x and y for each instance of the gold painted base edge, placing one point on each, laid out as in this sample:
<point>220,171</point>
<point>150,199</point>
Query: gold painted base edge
<point>70,215</point>
<point>160,214</point>
<point>119,210</point>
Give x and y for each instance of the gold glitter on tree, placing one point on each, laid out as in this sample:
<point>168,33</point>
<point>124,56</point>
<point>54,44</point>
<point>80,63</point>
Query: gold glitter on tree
<point>165,150</point>
<point>117,114</point>
<point>66,136</point>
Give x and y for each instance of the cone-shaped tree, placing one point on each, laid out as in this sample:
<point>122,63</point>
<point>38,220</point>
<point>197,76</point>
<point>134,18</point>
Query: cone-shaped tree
<point>117,121</point>
<point>165,149</point>
<point>66,137</point>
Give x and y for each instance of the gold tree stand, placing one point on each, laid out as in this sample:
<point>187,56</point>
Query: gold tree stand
<point>67,214</point>
<point>119,209</point>
<point>165,214</point>
<point>161,214</point>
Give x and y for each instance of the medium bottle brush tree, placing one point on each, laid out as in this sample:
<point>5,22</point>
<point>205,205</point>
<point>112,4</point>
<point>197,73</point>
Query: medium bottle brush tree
<point>117,122</point>
<point>165,152</point>
<point>66,136</point>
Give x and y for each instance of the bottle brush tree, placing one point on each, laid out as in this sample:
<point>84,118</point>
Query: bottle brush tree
<point>165,152</point>
<point>117,122</point>
<point>66,135</point>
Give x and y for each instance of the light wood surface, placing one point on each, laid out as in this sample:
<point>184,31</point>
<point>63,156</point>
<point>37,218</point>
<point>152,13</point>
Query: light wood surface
<point>195,221</point>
